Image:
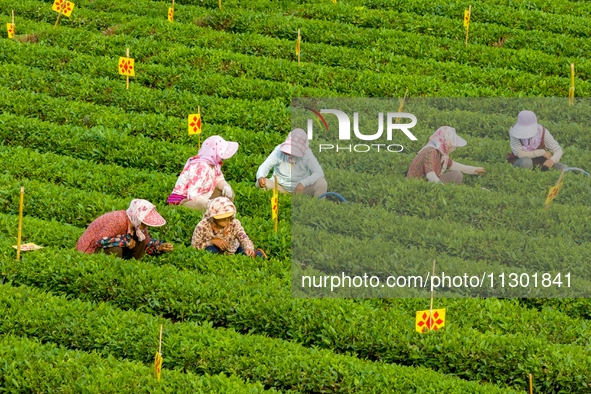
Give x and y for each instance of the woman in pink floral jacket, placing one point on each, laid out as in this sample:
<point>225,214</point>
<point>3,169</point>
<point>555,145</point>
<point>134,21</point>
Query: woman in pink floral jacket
<point>202,178</point>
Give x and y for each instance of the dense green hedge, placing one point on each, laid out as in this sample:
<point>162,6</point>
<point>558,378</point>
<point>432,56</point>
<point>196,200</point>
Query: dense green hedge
<point>80,208</point>
<point>248,305</point>
<point>60,111</point>
<point>495,246</point>
<point>189,347</point>
<point>29,366</point>
<point>183,68</point>
<point>357,57</point>
<point>481,315</point>
<point>457,204</point>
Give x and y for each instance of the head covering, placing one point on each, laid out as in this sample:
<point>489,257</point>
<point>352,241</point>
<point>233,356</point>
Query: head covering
<point>296,143</point>
<point>527,130</point>
<point>143,211</point>
<point>219,208</point>
<point>445,140</point>
<point>526,126</point>
<point>213,151</point>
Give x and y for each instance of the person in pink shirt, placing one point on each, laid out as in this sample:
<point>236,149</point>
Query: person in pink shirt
<point>124,234</point>
<point>202,178</point>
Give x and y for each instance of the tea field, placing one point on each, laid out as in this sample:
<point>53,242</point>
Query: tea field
<point>82,144</point>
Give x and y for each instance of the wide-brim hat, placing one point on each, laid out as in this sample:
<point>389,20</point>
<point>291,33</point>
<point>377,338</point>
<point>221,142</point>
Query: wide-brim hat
<point>292,150</point>
<point>526,126</point>
<point>230,149</point>
<point>153,219</point>
<point>459,141</point>
<point>223,215</point>
<point>296,143</point>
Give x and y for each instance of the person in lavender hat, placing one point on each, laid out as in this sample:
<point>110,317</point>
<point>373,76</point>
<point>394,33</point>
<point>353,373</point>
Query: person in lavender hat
<point>296,167</point>
<point>533,145</point>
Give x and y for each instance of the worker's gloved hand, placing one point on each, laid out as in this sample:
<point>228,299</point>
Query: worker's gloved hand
<point>228,192</point>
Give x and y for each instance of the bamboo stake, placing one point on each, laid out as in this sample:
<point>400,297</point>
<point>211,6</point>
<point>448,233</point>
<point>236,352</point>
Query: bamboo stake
<point>432,296</point>
<point>127,76</point>
<point>402,104</point>
<point>60,14</point>
<point>20,224</point>
<point>199,135</point>
<point>220,4</point>
<point>276,192</point>
<point>13,19</point>
<point>468,26</point>
<point>531,384</point>
<point>571,92</point>
<point>299,46</point>
<point>160,343</point>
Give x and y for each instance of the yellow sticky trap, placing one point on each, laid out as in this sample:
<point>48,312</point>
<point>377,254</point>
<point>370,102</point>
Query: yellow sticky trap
<point>424,322</point>
<point>553,192</point>
<point>194,124</point>
<point>58,6</point>
<point>11,29</point>
<point>466,18</point>
<point>126,66</point>
<point>28,247</point>
<point>158,364</point>
<point>297,51</point>
<point>170,14</point>
<point>274,205</point>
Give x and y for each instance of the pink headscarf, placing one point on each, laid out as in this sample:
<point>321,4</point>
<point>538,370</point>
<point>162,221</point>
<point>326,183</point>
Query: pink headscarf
<point>296,143</point>
<point>531,144</point>
<point>213,151</point>
<point>137,213</point>
<point>218,206</point>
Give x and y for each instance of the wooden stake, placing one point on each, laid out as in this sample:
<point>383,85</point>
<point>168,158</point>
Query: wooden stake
<point>468,27</point>
<point>571,92</point>
<point>299,46</point>
<point>402,104</point>
<point>531,384</point>
<point>432,296</point>
<point>127,76</point>
<point>199,135</point>
<point>20,224</point>
<point>160,343</point>
<point>60,14</point>
<point>276,192</point>
<point>13,18</point>
<point>220,4</point>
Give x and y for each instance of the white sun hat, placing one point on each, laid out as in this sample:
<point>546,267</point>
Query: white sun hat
<point>526,126</point>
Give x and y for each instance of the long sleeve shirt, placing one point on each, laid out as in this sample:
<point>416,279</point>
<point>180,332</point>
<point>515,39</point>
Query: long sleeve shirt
<point>233,234</point>
<point>549,142</point>
<point>305,170</point>
<point>197,179</point>
<point>112,229</point>
<point>425,162</point>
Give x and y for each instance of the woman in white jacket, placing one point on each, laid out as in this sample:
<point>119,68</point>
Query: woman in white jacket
<point>296,167</point>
